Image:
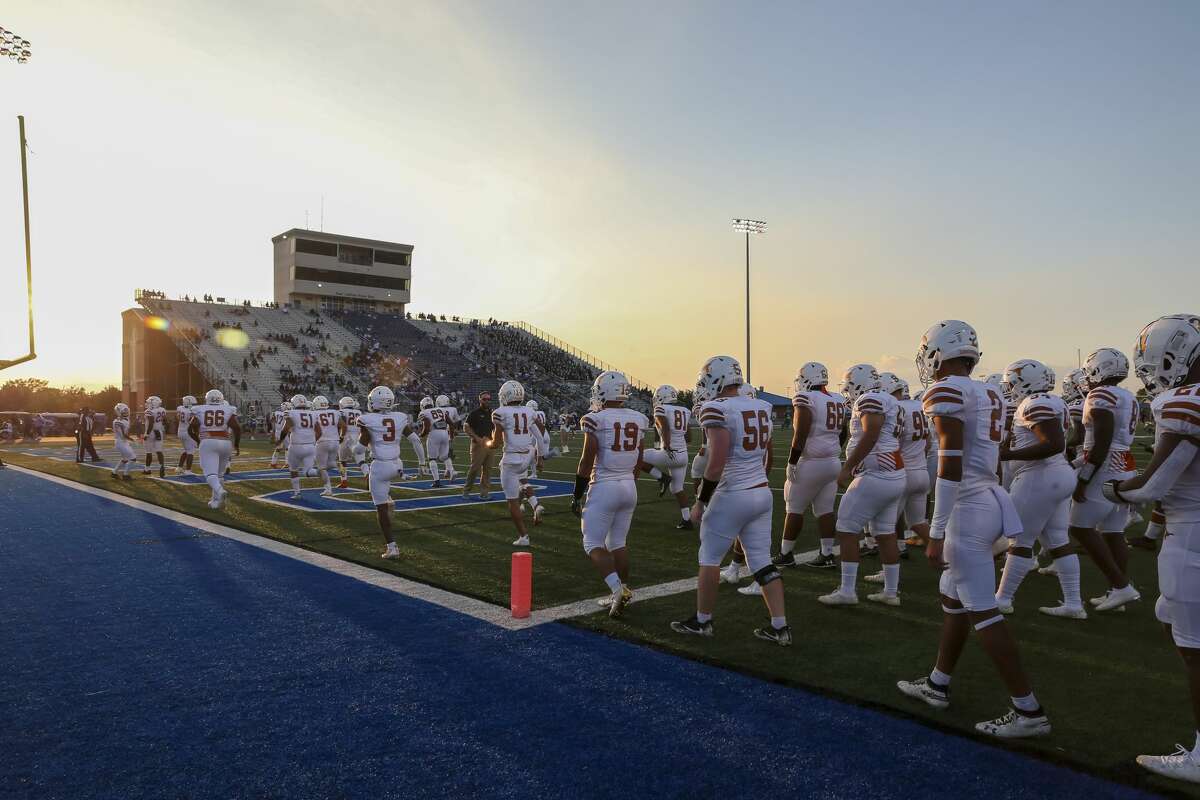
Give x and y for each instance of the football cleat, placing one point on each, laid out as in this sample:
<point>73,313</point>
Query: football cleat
<point>785,560</point>
<point>836,598</point>
<point>693,626</point>
<point>664,484</point>
<point>343,484</point>
<point>537,514</point>
<point>1004,608</point>
<point>751,589</point>
<point>1065,611</point>
<point>1049,569</point>
<point>734,572</point>
<point>926,691</point>
<point>876,577</point>
<point>619,601</point>
<point>1143,543</point>
<point>822,561</point>
<point>685,525</point>
<point>885,598</point>
<point>436,485</point>
<point>1117,598</point>
<point>391,553</point>
<point>295,495</point>
<point>1180,765</point>
<point>1016,725</point>
<point>780,636</point>
<point>327,491</point>
<point>868,552</point>
<point>521,541</point>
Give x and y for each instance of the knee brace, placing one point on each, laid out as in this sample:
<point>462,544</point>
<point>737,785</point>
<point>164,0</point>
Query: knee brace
<point>767,574</point>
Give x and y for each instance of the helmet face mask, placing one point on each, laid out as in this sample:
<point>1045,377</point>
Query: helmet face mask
<point>610,387</point>
<point>858,379</point>
<point>946,340</point>
<point>1166,350</point>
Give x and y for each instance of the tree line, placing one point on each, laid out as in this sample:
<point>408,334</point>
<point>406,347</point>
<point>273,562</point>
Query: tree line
<point>37,395</point>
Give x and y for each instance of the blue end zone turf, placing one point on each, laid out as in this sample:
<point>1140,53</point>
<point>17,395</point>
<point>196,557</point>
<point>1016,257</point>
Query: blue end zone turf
<point>142,658</point>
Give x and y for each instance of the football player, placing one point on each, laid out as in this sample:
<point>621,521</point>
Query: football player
<point>278,418</point>
<point>153,431</point>
<point>183,419</point>
<point>875,481</point>
<point>668,463</point>
<point>301,429</point>
<point>332,427</point>
<point>970,512</point>
<point>434,422</point>
<point>915,452</point>
<point>210,427</point>
<point>121,439</point>
<point>381,429</point>
<point>735,500</point>
<point>541,437</point>
<point>608,468</point>
<point>515,430</point>
<point>1042,482</point>
<point>453,423</point>
<point>564,432</point>
<point>1110,416</point>
<point>1073,394</point>
<point>1167,359</point>
<point>350,451</point>
<point>818,423</point>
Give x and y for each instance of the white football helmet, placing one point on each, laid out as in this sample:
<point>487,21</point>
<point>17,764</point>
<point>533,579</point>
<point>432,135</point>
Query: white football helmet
<point>380,398</point>
<point>719,372</point>
<point>1105,364</point>
<point>950,338</point>
<point>610,387</point>
<point>702,394</point>
<point>299,401</point>
<point>213,396</point>
<point>121,410</point>
<point>858,379</point>
<point>511,392</point>
<point>153,401</point>
<point>188,401</point>
<point>426,402</point>
<point>904,395</point>
<point>320,402</point>
<point>889,383</point>
<point>1165,351</point>
<point>532,405</point>
<point>811,376</point>
<point>1025,377</point>
<point>746,390</point>
<point>442,401</point>
<point>1072,386</point>
<point>347,403</point>
<point>665,395</point>
<point>285,406</point>
<point>994,378</point>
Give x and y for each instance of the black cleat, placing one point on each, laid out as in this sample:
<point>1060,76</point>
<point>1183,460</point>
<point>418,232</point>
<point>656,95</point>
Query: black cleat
<point>781,636</point>
<point>822,561</point>
<point>162,472</point>
<point>685,525</point>
<point>693,626</point>
<point>868,552</point>
<point>664,484</point>
<point>785,560</point>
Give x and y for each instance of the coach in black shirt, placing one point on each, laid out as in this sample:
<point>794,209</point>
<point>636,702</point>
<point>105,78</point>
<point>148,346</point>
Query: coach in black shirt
<point>479,428</point>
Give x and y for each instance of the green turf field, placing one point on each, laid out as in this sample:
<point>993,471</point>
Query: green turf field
<point>1112,684</point>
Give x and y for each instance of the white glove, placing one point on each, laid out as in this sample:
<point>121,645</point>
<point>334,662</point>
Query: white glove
<point>791,472</point>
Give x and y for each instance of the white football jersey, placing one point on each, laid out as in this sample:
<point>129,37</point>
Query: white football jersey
<point>885,455</point>
<point>121,430</point>
<point>914,433</point>
<point>619,432</point>
<point>748,421</point>
<point>436,418</point>
<point>675,420</point>
<point>153,420</point>
<point>1125,411</point>
<point>1177,411</point>
<point>328,419</point>
<point>1075,411</point>
<point>304,425</point>
<point>517,422</point>
<point>828,419</point>
<point>183,418</point>
<point>564,421</point>
<point>1035,410</point>
<point>385,431</point>
<point>214,419</point>
<point>277,418</point>
<point>351,416</point>
<point>980,408</point>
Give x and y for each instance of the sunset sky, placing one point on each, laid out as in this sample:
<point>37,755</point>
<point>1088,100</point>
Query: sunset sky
<point>1033,168</point>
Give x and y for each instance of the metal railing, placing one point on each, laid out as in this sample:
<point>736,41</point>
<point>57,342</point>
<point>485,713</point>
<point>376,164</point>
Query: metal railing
<point>572,350</point>
<point>198,357</point>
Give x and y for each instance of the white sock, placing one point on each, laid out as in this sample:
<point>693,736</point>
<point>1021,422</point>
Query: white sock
<point>1154,530</point>
<point>295,484</point>
<point>1026,703</point>
<point>214,483</point>
<point>939,677</point>
<point>450,473</point>
<point>849,576</point>
<point>891,578</point>
<point>533,501</point>
<point>787,546</point>
<point>325,478</point>
<point>655,473</point>
<point>1068,578</point>
<point>827,547</point>
<point>702,617</point>
<point>613,581</point>
<point>778,622</point>
<point>435,469</point>
<point>686,513</point>
<point>1015,570</point>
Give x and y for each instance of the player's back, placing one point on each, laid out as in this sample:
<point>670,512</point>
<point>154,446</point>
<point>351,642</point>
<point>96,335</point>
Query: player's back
<point>676,419</point>
<point>120,429</point>
<point>517,422</point>
<point>384,429</point>
<point>748,421</point>
<point>980,408</point>
<point>885,456</point>
<point>828,410</point>
<point>1122,404</point>
<point>351,415</point>
<point>1177,411</point>
<point>914,433</point>
<point>619,433</point>
<point>1034,410</point>
<point>328,419</point>
<point>304,425</point>
<point>213,419</point>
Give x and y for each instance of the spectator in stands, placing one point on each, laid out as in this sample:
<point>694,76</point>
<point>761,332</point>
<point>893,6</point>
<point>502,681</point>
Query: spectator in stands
<point>479,428</point>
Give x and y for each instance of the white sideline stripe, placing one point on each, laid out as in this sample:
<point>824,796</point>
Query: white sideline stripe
<point>469,606</point>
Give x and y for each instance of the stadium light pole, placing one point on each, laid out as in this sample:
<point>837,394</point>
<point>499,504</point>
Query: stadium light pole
<point>747,227</point>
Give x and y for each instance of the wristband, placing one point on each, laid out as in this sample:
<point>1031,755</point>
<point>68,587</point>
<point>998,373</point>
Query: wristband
<point>950,453</point>
<point>580,486</point>
<point>707,488</point>
<point>1087,472</point>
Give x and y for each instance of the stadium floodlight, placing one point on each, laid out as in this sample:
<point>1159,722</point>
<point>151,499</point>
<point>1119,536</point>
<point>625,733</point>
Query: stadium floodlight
<point>16,47</point>
<point>32,354</point>
<point>748,226</point>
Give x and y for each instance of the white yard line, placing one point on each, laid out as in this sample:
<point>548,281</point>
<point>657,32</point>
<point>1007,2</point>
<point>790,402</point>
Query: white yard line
<point>471,607</point>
